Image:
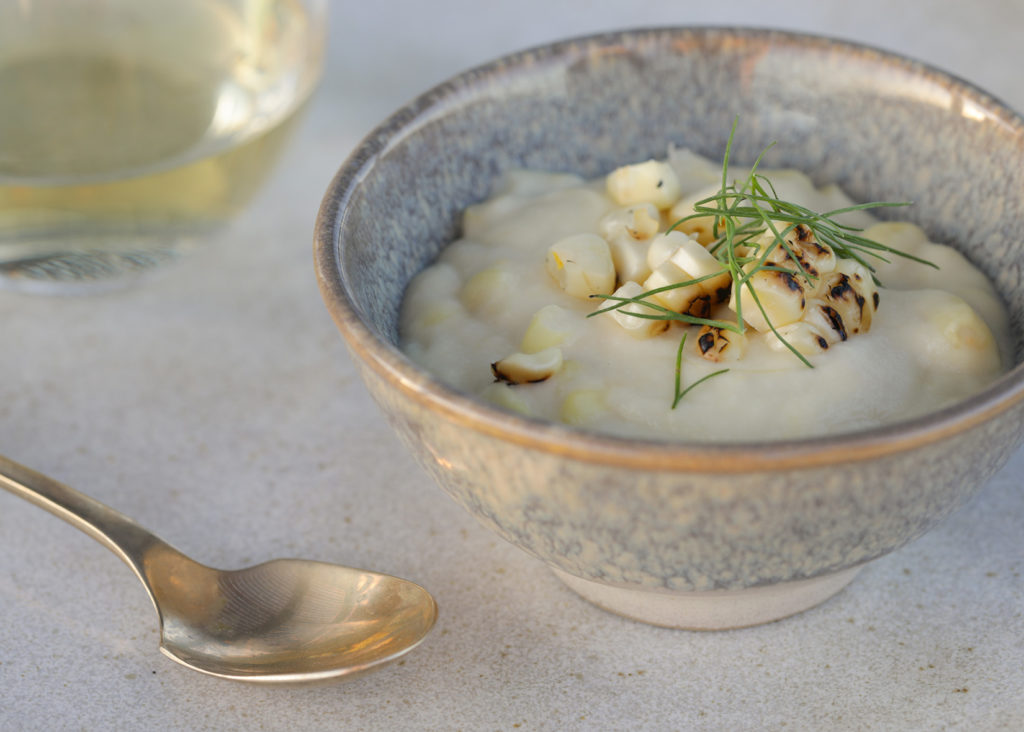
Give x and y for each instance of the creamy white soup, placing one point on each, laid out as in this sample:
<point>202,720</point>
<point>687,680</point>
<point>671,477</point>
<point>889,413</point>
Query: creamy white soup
<point>507,312</point>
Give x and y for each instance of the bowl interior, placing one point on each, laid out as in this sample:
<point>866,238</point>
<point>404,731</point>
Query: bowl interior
<point>882,127</point>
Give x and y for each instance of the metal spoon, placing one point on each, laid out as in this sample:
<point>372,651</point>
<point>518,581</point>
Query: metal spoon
<point>284,621</point>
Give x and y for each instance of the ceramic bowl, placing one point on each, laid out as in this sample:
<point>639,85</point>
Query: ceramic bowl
<point>678,534</point>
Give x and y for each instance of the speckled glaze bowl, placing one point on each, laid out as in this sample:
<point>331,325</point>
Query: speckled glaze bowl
<point>677,534</point>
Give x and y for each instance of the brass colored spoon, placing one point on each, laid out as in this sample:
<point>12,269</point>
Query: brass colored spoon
<point>284,621</point>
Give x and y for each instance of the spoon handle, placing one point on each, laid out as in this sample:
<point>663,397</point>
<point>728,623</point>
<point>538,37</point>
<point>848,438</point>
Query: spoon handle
<point>114,530</point>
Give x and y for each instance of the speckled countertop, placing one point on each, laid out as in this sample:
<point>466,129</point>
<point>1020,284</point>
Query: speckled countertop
<point>217,406</point>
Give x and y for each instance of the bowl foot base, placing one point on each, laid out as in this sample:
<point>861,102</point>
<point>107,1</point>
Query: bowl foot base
<point>713,610</point>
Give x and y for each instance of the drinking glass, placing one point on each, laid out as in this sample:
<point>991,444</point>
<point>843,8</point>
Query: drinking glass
<point>130,129</point>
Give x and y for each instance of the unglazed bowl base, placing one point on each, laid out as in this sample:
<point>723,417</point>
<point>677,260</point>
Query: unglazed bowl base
<point>713,610</point>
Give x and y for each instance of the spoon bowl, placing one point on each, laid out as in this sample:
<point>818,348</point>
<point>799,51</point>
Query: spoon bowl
<point>287,620</point>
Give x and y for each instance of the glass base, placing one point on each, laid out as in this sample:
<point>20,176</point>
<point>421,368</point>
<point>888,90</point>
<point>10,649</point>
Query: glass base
<point>88,265</point>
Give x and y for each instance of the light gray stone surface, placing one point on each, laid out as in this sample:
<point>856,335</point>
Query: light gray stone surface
<point>217,406</point>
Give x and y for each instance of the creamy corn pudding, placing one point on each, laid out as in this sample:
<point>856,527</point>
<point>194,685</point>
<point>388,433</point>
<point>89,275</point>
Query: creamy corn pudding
<point>663,302</point>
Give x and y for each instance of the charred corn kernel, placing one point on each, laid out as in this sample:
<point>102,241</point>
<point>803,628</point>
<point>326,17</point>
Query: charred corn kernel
<point>664,246</point>
<point>826,322</point>
<point>806,338</point>
<point>680,258</point>
<point>627,231</point>
<point>682,298</point>
<point>691,257</point>
<point>720,344</point>
<point>637,327</point>
<point>630,259</point>
<point>804,265</point>
<point>582,406</point>
<point>528,368</point>
<point>851,291</point>
<point>778,293</point>
<point>488,290</point>
<point>582,265</point>
<point>844,306</point>
<point>802,254</point>
<point>640,221</point>
<point>701,227</point>
<point>650,182</point>
<point>503,395</point>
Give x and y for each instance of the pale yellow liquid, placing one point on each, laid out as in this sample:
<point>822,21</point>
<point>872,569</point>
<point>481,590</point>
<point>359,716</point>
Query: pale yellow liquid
<point>114,152</point>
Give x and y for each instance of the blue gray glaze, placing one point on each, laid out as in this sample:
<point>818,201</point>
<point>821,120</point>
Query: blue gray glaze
<point>881,126</point>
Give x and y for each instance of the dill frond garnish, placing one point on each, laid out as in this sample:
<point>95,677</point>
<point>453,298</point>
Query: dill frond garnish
<point>679,391</point>
<point>743,213</point>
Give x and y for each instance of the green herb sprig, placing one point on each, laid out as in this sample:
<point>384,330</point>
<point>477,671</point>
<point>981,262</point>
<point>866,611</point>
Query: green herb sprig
<point>679,391</point>
<point>743,211</point>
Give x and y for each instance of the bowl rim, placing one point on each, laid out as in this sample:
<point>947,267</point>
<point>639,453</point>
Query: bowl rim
<point>428,391</point>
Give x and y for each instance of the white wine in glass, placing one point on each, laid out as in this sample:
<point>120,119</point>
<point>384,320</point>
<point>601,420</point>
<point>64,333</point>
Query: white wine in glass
<point>132,128</point>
